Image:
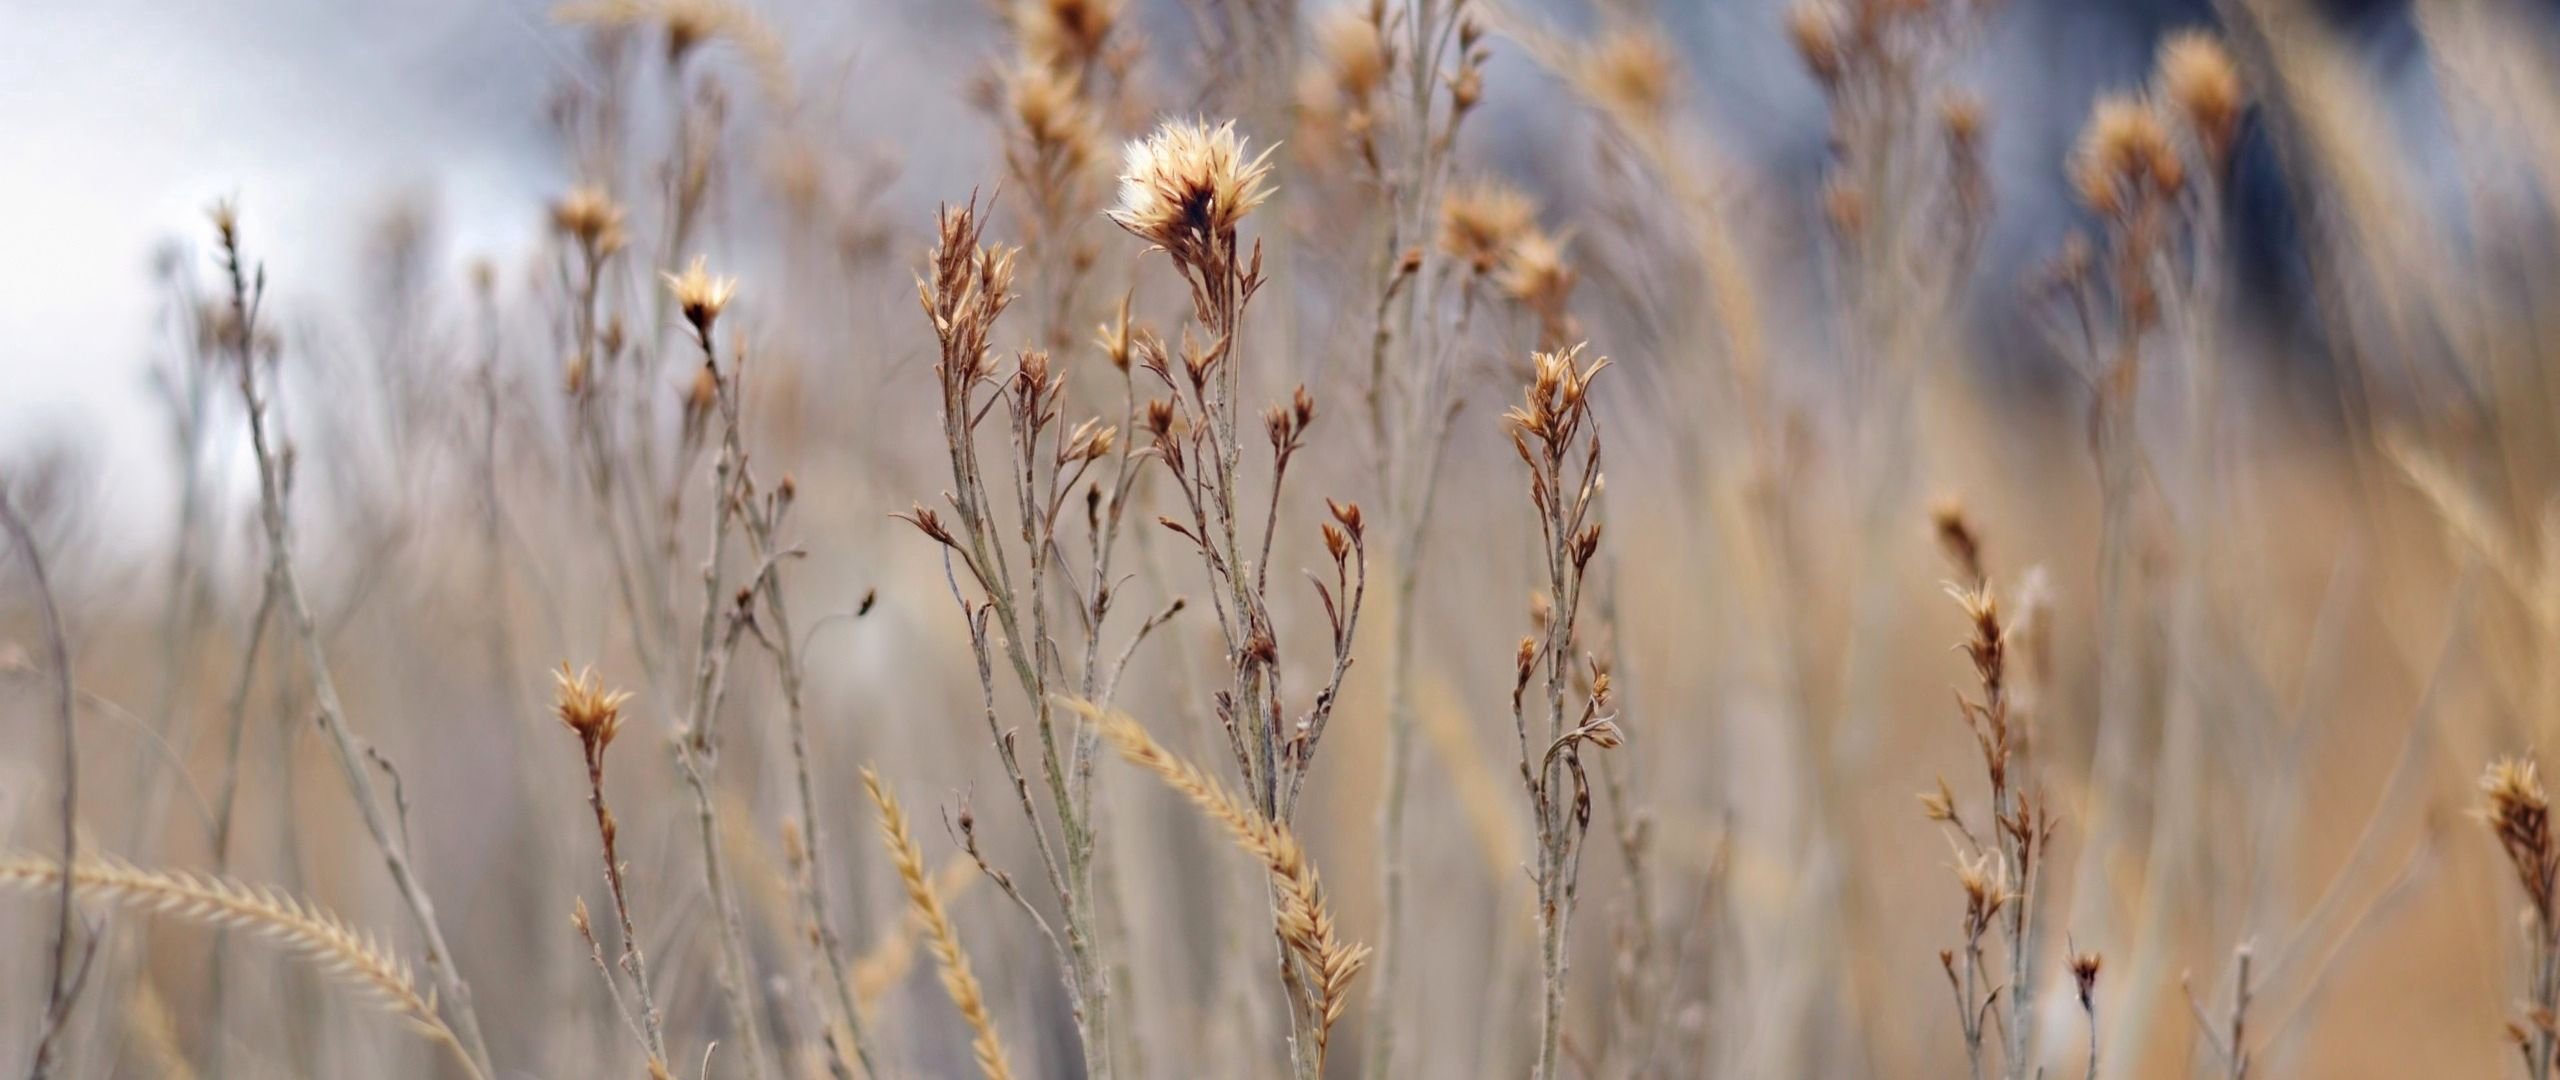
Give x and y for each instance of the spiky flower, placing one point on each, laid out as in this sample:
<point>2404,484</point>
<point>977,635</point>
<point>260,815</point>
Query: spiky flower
<point>584,704</point>
<point>1188,184</point>
<point>700,295</point>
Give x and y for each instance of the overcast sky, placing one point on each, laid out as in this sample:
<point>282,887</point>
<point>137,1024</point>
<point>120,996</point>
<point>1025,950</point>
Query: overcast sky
<point>125,118</point>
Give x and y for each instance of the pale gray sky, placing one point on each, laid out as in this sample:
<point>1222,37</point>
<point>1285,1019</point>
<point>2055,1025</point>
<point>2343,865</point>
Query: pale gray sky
<point>127,117</point>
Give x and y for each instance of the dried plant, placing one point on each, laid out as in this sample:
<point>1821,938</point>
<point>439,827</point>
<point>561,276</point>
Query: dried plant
<point>957,980</point>
<point>2000,867</point>
<point>1318,964</point>
<point>2513,806</point>
<point>1558,438</point>
<point>383,819</point>
<point>355,958</point>
<point>2303,345</point>
<point>594,715</point>
<point>967,286</point>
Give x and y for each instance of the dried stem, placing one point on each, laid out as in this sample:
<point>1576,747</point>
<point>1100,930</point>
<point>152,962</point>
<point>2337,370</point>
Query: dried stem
<point>352,753</point>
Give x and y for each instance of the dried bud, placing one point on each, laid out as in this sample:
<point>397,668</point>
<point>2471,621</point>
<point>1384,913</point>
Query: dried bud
<point>1940,805</point>
<point>1957,537</point>
<point>1348,514</point>
<point>930,524</point>
<point>1113,337</point>
<point>2084,973</point>
<point>1605,734</point>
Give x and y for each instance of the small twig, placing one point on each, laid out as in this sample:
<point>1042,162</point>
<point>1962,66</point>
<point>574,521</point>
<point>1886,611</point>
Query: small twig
<point>63,982</point>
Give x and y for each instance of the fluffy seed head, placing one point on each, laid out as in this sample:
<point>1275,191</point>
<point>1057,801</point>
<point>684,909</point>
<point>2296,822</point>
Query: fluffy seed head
<point>1534,271</point>
<point>1052,113</point>
<point>1481,219</point>
<point>588,215</point>
<point>2124,150</point>
<point>1188,182</point>
<point>1066,34</point>
<point>1355,55</point>
<point>700,295</point>
<point>2197,75</point>
<point>1628,72</point>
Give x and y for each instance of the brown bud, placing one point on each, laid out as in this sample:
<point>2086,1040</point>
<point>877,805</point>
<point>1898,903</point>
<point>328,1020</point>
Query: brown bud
<point>1348,514</point>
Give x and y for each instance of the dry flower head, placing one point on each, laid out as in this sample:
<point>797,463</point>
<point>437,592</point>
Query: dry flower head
<point>700,295</point>
<point>1188,182</point>
<point>2197,76</point>
<point>1482,219</point>
<point>586,707</point>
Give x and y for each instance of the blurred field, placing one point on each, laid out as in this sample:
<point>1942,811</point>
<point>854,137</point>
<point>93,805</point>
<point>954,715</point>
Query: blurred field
<point>1101,591</point>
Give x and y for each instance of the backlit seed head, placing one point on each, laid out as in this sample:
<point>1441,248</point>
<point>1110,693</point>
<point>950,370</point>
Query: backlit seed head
<point>1481,219</point>
<point>2124,152</point>
<point>2197,76</point>
<point>1355,54</point>
<point>1066,34</point>
<point>700,295</point>
<point>1052,114</point>
<point>588,215</point>
<point>1189,182</point>
<point>1534,272</point>
<point>1629,72</point>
